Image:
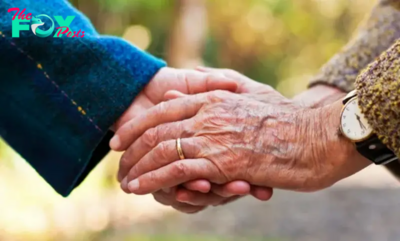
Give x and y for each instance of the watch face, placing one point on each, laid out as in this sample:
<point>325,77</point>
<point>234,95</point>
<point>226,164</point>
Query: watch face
<point>353,124</point>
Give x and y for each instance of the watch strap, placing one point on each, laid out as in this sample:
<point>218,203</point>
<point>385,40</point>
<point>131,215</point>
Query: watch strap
<point>374,150</point>
<point>349,96</point>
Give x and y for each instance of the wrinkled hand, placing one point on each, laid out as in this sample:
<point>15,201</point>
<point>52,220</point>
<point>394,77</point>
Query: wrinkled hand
<point>229,137</point>
<point>246,87</point>
<point>195,192</point>
<point>182,80</point>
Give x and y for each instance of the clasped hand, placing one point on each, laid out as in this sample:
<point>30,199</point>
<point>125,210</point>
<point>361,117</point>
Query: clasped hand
<point>255,135</point>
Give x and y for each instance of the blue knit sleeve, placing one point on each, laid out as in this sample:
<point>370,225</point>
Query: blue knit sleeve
<point>60,95</point>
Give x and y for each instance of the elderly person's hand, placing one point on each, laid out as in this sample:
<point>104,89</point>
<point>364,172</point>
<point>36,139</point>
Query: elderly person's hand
<point>317,96</point>
<point>195,195</point>
<point>227,137</point>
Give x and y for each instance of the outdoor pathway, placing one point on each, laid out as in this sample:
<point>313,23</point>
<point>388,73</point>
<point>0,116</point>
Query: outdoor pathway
<point>365,207</point>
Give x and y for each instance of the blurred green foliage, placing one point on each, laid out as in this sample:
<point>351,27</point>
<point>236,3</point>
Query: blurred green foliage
<point>278,42</point>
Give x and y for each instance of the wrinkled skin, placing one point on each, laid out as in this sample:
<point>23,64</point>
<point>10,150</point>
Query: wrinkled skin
<point>227,137</point>
<point>192,196</point>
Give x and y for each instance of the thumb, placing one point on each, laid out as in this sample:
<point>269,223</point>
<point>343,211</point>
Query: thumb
<point>200,185</point>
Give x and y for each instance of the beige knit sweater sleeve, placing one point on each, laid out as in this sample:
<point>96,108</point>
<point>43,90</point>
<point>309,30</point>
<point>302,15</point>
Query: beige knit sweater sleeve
<point>376,34</point>
<point>371,64</point>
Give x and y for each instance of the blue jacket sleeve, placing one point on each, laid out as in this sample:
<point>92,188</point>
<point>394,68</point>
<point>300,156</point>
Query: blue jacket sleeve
<point>61,95</point>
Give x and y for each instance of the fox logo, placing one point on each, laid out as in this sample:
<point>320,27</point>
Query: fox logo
<point>36,22</point>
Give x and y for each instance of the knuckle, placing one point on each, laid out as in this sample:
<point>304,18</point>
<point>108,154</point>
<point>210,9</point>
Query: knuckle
<point>162,108</point>
<point>150,137</point>
<point>217,96</point>
<point>153,177</point>
<point>181,76</point>
<point>133,173</point>
<point>180,170</point>
<point>131,126</point>
<point>185,130</point>
<point>161,150</point>
<point>194,147</point>
<point>220,93</point>
<point>231,72</point>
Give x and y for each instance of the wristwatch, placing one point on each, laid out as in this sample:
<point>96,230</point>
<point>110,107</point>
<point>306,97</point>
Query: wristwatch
<point>355,127</point>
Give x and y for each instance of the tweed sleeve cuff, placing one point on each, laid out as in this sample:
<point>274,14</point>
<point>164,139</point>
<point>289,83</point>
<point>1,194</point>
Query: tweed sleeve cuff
<point>378,32</point>
<point>378,90</point>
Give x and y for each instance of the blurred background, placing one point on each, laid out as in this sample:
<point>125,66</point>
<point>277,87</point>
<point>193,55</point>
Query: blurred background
<point>278,42</point>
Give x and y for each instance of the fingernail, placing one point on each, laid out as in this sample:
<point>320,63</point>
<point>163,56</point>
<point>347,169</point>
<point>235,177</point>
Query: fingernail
<point>124,183</point>
<point>115,143</point>
<point>133,185</point>
<point>124,186</point>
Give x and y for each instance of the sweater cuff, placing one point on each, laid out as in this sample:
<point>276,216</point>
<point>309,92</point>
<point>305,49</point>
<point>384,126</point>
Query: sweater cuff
<point>336,74</point>
<point>378,89</point>
<point>128,75</point>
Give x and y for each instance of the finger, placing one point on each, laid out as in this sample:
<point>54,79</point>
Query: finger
<point>229,200</point>
<point>139,105</point>
<point>245,84</point>
<point>149,140</point>
<point>199,83</point>
<point>164,154</point>
<point>173,94</point>
<point>165,112</point>
<point>235,188</point>
<point>166,190</point>
<point>170,200</point>
<point>167,199</point>
<point>200,185</point>
<point>198,199</point>
<point>173,175</point>
<point>231,74</point>
<point>187,81</point>
<point>262,193</point>
<point>219,81</point>
<point>205,69</point>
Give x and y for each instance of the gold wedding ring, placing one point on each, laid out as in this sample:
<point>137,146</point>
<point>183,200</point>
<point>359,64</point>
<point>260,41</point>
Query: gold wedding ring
<point>179,149</point>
